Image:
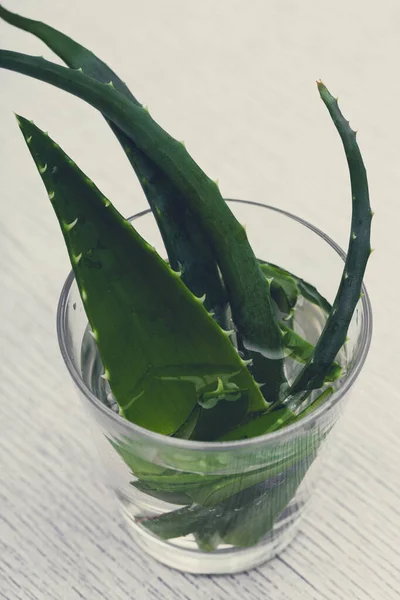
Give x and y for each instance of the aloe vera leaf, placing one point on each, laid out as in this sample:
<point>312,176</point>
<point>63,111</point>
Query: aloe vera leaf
<point>203,490</point>
<point>310,293</point>
<point>275,419</point>
<point>285,293</point>
<point>249,524</point>
<point>171,497</point>
<point>223,489</point>
<point>284,290</point>
<point>229,518</point>
<point>184,241</point>
<point>175,523</point>
<point>259,425</point>
<point>247,288</point>
<point>334,334</point>
<point>315,404</point>
<point>173,481</point>
<point>186,430</point>
<point>158,344</point>
<point>305,289</point>
<point>138,466</point>
<point>180,487</point>
<point>208,426</point>
<point>301,351</point>
<point>209,490</point>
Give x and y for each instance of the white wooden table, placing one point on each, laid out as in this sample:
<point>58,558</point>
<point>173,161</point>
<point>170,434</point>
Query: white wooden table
<point>235,79</point>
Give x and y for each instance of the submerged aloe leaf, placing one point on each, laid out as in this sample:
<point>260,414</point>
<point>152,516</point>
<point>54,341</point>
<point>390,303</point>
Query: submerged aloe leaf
<point>185,243</point>
<point>251,522</point>
<point>138,466</point>
<point>248,290</point>
<point>159,346</point>
<point>301,351</point>
<point>334,334</point>
<point>261,424</point>
<point>207,490</point>
<point>241,519</point>
<point>319,401</point>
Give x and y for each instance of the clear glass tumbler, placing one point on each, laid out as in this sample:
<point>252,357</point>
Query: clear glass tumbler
<point>220,507</point>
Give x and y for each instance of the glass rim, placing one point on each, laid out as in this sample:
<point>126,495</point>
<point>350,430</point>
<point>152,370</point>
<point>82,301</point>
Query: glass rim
<point>267,438</point>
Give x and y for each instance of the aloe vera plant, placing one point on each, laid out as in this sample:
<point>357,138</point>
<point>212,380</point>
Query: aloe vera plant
<point>194,345</point>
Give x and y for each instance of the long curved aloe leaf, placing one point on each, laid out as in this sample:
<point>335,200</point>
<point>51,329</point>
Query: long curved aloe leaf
<point>160,347</point>
<point>248,290</point>
<point>187,249</point>
<point>334,334</point>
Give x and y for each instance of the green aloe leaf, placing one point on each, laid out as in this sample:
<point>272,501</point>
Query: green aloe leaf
<point>262,424</point>
<point>211,489</point>
<point>287,285</point>
<point>159,346</point>
<point>251,522</point>
<point>242,519</point>
<point>276,419</point>
<point>206,490</point>
<point>284,290</point>
<point>247,288</point>
<point>301,351</point>
<point>185,243</point>
<point>335,331</point>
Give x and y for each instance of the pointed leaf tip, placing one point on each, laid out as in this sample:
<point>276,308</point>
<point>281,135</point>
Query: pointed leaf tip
<point>321,86</point>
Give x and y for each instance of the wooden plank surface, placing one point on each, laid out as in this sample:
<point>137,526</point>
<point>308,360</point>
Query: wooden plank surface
<point>235,79</point>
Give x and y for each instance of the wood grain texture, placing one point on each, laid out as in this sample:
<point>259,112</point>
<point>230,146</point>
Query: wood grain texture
<point>235,80</point>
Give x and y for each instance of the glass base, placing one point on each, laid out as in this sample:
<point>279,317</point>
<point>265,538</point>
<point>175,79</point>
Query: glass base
<point>222,561</point>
